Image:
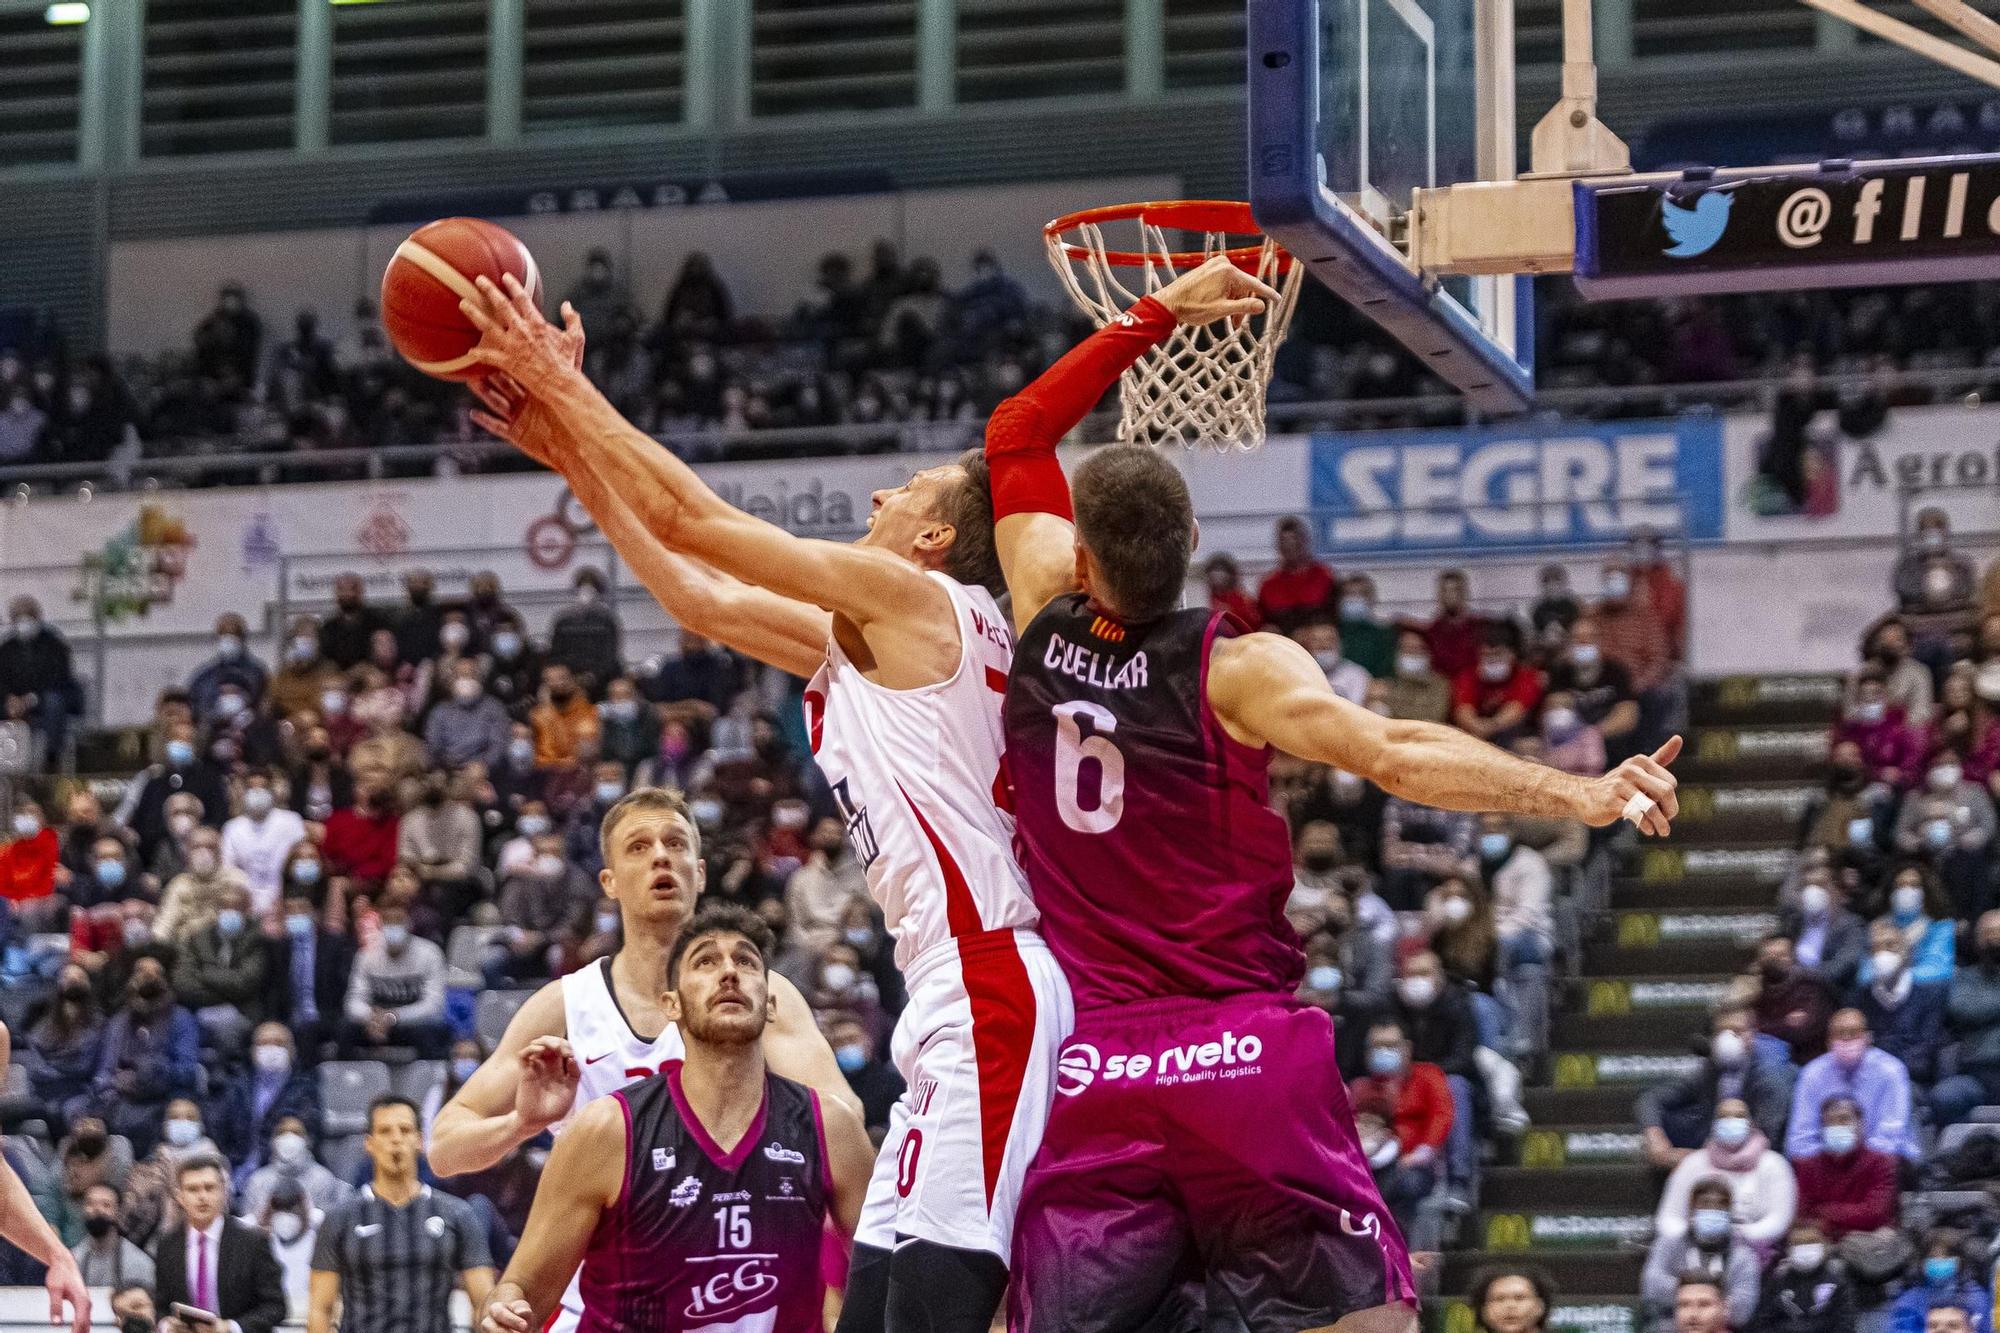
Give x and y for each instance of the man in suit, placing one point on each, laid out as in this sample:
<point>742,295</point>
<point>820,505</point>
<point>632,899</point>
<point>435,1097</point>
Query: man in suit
<point>214,1263</point>
<point>309,976</point>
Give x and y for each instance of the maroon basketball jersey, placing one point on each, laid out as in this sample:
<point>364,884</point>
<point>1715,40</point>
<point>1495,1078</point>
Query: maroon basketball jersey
<point>703,1239</point>
<point>1146,831</point>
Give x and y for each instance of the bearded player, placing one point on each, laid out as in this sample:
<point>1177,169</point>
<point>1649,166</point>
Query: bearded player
<point>1202,1136</point>
<point>695,1198</point>
<point>588,1034</point>
<point>907,653</point>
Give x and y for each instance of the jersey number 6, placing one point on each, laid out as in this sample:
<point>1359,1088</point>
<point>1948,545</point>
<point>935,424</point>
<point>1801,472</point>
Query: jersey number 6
<point>1075,747</point>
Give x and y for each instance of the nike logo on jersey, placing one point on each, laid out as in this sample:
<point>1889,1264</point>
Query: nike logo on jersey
<point>367,1229</point>
<point>595,1058</point>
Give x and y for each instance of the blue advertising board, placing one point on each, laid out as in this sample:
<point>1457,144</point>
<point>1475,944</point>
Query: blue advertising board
<point>1527,485</point>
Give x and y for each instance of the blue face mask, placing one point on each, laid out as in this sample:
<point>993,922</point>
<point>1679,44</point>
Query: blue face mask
<point>1860,832</point>
<point>230,922</point>
<point>305,872</point>
<point>1493,846</point>
<point>1710,1225</point>
<point>180,753</point>
<point>298,926</point>
<point>1940,1269</point>
<point>111,874</point>
<point>1838,1138</point>
<point>464,1069</point>
<point>851,1059</point>
<point>1384,1061</point>
<point>609,792</point>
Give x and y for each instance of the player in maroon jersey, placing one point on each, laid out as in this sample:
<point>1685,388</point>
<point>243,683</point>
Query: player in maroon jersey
<point>1201,1136</point>
<point>696,1198</point>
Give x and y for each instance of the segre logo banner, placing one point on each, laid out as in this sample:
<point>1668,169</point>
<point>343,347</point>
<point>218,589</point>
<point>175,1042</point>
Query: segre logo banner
<point>1576,484</point>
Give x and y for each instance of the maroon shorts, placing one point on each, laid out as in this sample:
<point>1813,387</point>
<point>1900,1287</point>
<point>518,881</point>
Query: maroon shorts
<point>1201,1146</point>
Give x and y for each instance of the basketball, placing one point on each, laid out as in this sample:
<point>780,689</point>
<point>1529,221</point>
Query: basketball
<point>430,273</point>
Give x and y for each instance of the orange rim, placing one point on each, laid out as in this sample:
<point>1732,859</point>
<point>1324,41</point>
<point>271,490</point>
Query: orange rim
<point>1228,217</point>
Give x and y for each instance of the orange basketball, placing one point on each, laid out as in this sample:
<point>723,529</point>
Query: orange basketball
<point>429,275</point>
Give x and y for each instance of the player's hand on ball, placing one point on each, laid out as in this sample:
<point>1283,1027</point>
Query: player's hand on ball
<point>549,1078</point>
<point>1216,290</point>
<point>515,340</point>
<point>506,1317</point>
<point>1612,797</point>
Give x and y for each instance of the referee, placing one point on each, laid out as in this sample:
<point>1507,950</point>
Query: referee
<point>390,1255</point>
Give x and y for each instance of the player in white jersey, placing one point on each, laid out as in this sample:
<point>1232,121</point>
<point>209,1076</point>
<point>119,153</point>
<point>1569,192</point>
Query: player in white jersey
<point>584,1036</point>
<point>907,653</point>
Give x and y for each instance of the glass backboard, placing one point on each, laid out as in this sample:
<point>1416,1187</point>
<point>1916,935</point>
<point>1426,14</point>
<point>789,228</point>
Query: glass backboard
<point>1354,106</point>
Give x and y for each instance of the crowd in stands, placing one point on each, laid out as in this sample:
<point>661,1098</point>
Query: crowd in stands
<point>889,345</point>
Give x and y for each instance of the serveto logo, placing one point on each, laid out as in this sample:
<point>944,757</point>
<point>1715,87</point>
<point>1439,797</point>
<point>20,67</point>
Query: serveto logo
<point>778,1152</point>
<point>727,1291</point>
<point>1082,1064</point>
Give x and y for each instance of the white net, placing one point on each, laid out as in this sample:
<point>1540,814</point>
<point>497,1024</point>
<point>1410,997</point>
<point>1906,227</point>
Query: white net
<point>1204,386</point>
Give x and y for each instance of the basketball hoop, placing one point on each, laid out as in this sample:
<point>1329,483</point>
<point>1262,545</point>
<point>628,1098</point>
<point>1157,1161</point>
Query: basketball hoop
<point>1205,384</point>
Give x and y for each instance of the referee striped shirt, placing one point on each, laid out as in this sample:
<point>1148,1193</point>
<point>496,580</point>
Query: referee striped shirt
<point>397,1266</point>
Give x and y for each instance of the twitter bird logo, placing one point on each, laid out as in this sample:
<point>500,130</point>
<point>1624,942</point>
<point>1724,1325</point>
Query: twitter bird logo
<point>1696,230</point>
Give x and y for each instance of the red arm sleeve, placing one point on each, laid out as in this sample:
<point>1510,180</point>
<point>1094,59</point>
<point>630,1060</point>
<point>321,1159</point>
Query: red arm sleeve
<point>1021,434</point>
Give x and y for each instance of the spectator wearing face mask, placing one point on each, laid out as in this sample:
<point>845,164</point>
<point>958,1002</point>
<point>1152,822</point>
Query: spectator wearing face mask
<point>1853,812</point>
<point>1599,689</point>
<point>543,905</point>
<point>419,622</point>
<point>563,720</point>
<point>1792,1003</point>
<point>1907,683</point>
<point>840,986</point>
<point>106,1256</point>
<point>395,995</point>
<point>1847,1186</point>
<point>192,899</point>
<point>233,664</point>
<point>1557,604</point>
<point>1436,1015</point>
<point>1950,822</point>
<point>304,675</point>
<point>1321,638</point>
<point>247,1108</point>
<point>222,973</point>
<point>257,841</point>
<point>361,840</point>
<point>1906,1016</point>
<point>1417,692</point>
<point>91,1155</point>
<point>701,678</point>
<point>1422,845</point>
<point>1972,1020</point>
<point>1763,1192</point>
<point>319,783</point>
<point>1496,698</point>
<point>1522,888</point>
<point>61,1052</point>
<point>310,973</point>
<point>170,858</point>
<point>819,893</point>
<point>109,876</point>
<point>1806,1291</point>
<point>1854,1067</point>
<point>290,1160</point>
<point>1825,936</point>
<point>151,1053</point>
<point>344,635</point>
<point>1367,641</point>
<point>1710,1248</point>
<point>628,727</point>
<point>1635,635</point>
<point>585,636</point>
<point>1935,585</point>
<point>37,680</point>
<point>1571,744</point>
<point>1917,908</point>
<point>181,769</point>
<point>293,1223</point>
<point>1891,749</point>
<point>1945,1276</point>
<point>1677,1118</point>
<point>440,838</point>
<point>149,1206</point>
<point>1414,1101</point>
<point>874,1080</point>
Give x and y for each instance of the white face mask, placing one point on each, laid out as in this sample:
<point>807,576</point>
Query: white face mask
<point>257,802</point>
<point>1417,992</point>
<point>1945,776</point>
<point>273,1059</point>
<point>1808,1257</point>
<point>454,636</point>
<point>465,689</point>
<point>837,976</point>
<point>1731,1131</point>
<point>1455,911</point>
<point>1906,900</point>
<point>287,1227</point>
<point>181,1133</point>
<point>1815,900</point>
<point>1888,963</point>
<point>289,1148</point>
<point>1727,1048</point>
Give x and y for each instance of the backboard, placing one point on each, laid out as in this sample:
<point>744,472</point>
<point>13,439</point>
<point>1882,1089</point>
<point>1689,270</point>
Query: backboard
<point>1355,107</point>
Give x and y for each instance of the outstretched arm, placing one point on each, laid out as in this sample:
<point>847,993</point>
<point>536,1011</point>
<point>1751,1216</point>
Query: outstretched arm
<point>865,584</point>
<point>1267,690</point>
<point>787,634</point>
<point>584,1176</point>
<point>1033,533</point>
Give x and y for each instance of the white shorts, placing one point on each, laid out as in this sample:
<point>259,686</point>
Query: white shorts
<point>978,1044</point>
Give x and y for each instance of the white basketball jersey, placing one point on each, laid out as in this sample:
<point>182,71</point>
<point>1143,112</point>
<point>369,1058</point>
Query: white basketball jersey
<point>609,1055</point>
<point>917,776</point>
